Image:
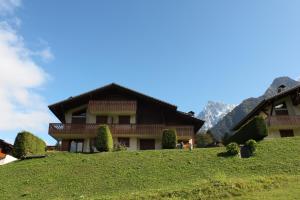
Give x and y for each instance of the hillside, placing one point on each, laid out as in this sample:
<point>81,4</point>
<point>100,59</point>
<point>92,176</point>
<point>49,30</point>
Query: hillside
<point>157,174</point>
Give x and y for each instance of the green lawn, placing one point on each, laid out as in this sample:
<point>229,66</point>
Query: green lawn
<point>273,173</point>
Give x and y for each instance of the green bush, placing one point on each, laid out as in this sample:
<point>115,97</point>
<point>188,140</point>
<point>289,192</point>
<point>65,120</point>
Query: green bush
<point>169,139</point>
<point>204,139</point>
<point>104,141</point>
<point>251,145</point>
<point>233,149</point>
<point>120,147</point>
<point>255,129</point>
<point>27,144</point>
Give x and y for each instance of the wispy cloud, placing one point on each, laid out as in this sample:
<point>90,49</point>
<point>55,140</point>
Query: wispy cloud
<point>22,106</point>
<point>9,6</point>
<point>46,54</point>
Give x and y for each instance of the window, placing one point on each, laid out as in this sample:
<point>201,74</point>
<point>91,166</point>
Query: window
<point>281,109</point>
<point>102,119</point>
<point>79,117</point>
<point>76,146</point>
<point>124,119</point>
<point>124,141</point>
<point>286,133</point>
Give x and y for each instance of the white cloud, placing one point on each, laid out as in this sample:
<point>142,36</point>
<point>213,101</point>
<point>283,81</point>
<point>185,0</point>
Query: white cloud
<point>9,6</point>
<point>21,105</point>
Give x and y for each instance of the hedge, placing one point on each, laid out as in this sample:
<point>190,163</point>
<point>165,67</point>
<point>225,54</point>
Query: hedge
<point>27,144</point>
<point>169,139</point>
<point>255,129</point>
<point>104,141</point>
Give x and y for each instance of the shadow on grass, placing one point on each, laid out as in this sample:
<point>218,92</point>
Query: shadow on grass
<point>224,155</point>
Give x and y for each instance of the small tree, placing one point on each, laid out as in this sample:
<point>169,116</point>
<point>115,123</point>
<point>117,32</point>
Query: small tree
<point>27,144</point>
<point>104,141</point>
<point>169,139</point>
<point>204,139</point>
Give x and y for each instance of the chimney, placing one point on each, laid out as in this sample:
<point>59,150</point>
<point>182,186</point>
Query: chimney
<point>191,113</point>
<point>281,88</point>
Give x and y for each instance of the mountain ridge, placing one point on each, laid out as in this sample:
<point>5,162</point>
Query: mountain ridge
<point>240,111</point>
<point>213,112</point>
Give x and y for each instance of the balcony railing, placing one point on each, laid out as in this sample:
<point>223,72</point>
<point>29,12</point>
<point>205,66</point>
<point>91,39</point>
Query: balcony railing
<point>119,107</point>
<point>57,129</point>
<point>289,121</point>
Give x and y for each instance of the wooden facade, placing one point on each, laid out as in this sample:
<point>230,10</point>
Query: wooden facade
<point>128,113</point>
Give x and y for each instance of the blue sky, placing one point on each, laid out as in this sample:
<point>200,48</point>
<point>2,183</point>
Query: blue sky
<point>183,52</point>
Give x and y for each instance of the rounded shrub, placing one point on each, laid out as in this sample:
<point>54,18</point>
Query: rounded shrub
<point>251,145</point>
<point>27,144</point>
<point>169,139</point>
<point>233,149</point>
<point>104,141</point>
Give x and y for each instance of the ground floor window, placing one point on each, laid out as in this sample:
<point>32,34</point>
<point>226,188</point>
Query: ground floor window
<point>76,146</point>
<point>286,133</point>
<point>124,141</point>
<point>147,144</point>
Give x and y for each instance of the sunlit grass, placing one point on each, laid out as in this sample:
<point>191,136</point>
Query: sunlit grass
<point>163,174</point>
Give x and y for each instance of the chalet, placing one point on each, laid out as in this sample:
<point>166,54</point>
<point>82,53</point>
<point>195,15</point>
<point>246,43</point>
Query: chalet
<point>6,150</point>
<point>135,120</point>
<point>281,112</point>
<point>5,147</point>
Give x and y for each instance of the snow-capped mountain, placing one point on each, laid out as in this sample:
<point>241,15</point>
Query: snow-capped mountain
<point>213,112</point>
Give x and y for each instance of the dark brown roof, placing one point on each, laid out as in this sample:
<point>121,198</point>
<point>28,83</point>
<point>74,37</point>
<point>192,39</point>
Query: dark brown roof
<point>263,103</point>
<point>6,143</point>
<point>59,107</point>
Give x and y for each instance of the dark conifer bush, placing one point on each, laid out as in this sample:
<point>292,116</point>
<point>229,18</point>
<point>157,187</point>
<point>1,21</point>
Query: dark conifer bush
<point>255,129</point>
<point>169,139</point>
<point>104,141</point>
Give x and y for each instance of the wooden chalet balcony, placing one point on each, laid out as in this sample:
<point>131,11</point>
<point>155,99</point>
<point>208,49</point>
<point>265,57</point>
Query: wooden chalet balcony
<point>112,107</point>
<point>57,129</point>
<point>284,121</point>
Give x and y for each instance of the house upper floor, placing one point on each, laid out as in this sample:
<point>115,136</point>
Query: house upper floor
<point>117,105</point>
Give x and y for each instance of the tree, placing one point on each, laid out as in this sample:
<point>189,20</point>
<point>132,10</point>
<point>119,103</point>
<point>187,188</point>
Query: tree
<point>204,139</point>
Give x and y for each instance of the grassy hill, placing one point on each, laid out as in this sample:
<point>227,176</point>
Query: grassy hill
<point>167,174</point>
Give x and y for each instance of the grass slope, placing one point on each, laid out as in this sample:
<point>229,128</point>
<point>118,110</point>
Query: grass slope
<point>165,174</point>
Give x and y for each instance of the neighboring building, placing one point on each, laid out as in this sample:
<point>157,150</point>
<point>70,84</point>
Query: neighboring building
<point>281,112</point>
<point>135,120</point>
<point>5,147</point>
<point>6,152</point>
